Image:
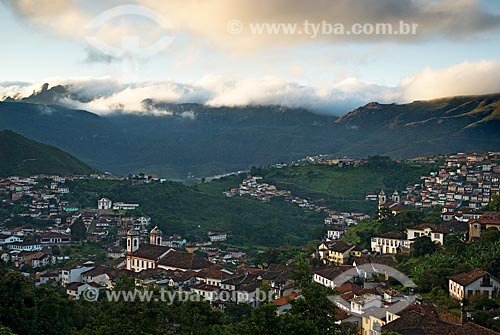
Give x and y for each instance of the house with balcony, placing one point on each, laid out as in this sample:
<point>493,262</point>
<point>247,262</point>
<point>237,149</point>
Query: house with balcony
<point>390,243</point>
<point>475,282</point>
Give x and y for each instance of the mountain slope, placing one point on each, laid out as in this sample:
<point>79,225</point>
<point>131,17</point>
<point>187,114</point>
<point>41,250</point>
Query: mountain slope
<point>468,123</point>
<point>23,157</point>
<point>201,140</point>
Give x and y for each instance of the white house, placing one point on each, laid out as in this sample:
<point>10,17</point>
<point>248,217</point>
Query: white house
<point>124,206</point>
<point>426,230</point>
<point>327,276</point>
<point>104,204</point>
<point>6,239</point>
<point>217,236</point>
<point>73,275</point>
<point>390,243</point>
<point>476,282</point>
<point>360,303</point>
<point>25,246</point>
<point>74,290</point>
<point>335,233</point>
<point>55,238</point>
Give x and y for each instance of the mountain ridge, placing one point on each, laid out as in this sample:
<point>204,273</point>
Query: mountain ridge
<point>194,139</point>
<point>23,157</point>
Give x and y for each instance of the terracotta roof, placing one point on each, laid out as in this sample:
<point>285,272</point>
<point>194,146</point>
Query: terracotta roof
<point>277,272</point>
<point>215,272</point>
<point>29,255</point>
<point>388,260</point>
<point>101,269</point>
<point>340,247</point>
<point>414,323</point>
<point>184,260</point>
<point>149,251</point>
<point>393,235</point>
<point>285,300</point>
<point>162,274</point>
<point>471,328</point>
<point>341,314</point>
<point>466,278</point>
<point>330,273</point>
<point>348,287</point>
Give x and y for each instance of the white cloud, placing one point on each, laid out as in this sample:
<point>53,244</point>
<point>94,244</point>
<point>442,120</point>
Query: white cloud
<point>462,79</point>
<point>106,95</point>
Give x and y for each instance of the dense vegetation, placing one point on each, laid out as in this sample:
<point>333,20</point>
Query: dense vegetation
<point>344,188</point>
<point>20,156</point>
<point>214,140</point>
<point>29,310</point>
<point>193,211</point>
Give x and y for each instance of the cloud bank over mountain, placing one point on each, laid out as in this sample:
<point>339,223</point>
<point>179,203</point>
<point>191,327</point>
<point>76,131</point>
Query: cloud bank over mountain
<point>106,95</point>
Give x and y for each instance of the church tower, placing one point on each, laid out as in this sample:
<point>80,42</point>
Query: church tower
<point>155,236</point>
<point>382,198</point>
<point>132,240</point>
<point>396,197</point>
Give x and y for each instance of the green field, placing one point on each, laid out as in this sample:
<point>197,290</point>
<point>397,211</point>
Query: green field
<point>193,211</point>
<point>344,188</point>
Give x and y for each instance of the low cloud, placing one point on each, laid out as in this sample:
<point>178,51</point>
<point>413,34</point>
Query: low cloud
<point>106,95</point>
<point>461,79</point>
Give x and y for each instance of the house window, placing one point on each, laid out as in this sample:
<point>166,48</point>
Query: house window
<point>485,281</point>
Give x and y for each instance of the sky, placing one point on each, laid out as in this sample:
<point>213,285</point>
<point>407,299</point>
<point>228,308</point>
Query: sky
<point>118,53</point>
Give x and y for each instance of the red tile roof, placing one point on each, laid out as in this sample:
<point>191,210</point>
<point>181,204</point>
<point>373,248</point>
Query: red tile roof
<point>466,278</point>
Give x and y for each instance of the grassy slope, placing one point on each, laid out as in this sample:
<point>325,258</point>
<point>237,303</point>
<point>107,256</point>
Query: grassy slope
<point>345,188</point>
<point>192,211</point>
<point>22,156</point>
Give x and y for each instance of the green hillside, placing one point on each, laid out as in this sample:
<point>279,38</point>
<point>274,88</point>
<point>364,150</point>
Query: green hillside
<point>21,156</point>
<point>203,141</point>
<point>344,188</point>
<point>193,211</point>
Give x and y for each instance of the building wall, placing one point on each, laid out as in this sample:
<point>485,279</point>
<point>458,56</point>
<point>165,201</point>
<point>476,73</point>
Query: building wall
<point>460,292</point>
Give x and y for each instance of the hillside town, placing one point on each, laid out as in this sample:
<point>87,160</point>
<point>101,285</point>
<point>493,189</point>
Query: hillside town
<point>366,296</point>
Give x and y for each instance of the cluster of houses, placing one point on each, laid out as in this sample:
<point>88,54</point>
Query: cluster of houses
<point>42,196</point>
<point>340,162</point>
<point>464,182</point>
<point>32,247</point>
<point>374,306</point>
<point>345,219</point>
<point>254,187</point>
<point>154,263</point>
<point>471,225</point>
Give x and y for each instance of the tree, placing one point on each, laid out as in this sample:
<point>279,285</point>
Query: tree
<point>454,244</point>
<point>78,230</point>
<point>263,321</point>
<point>56,251</point>
<point>347,328</point>
<point>236,312</point>
<point>6,331</point>
<point>491,235</point>
<point>422,246</point>
<point>315,308</point>
<point>301,274</point>
<point>494,205</point>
